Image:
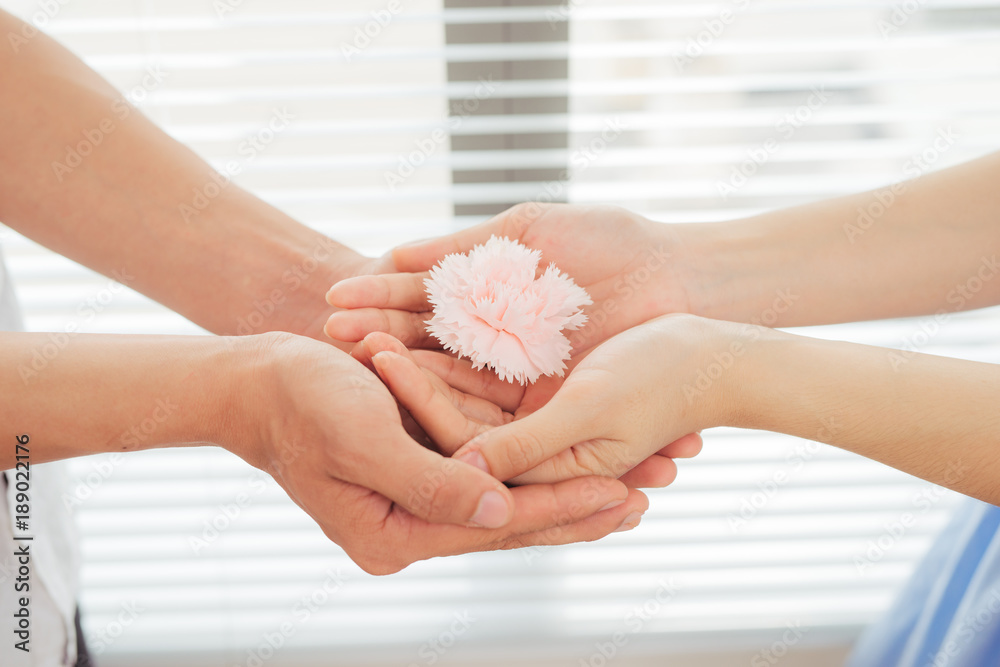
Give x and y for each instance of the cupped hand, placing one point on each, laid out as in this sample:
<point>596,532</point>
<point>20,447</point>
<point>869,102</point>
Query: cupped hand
<point>625,400</point>
<point>456,404</point>
<point>629,265</point>
<point>330,434</point>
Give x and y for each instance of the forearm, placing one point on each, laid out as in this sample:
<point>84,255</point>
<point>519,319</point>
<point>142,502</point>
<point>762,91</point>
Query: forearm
<point>138,204</point>
<point>104,393</point>
<point>933,417</point>
<point>918,248</point>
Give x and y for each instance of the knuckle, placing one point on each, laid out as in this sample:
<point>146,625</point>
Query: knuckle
<point>522,452</point>
<point>415,333</point>
<point>382,291</point>
<point>433,498</point>
<point>600,458</point>
<point>612,459</point>
<point>519,217</point>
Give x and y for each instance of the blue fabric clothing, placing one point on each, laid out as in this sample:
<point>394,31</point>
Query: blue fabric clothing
<point>948,614</point>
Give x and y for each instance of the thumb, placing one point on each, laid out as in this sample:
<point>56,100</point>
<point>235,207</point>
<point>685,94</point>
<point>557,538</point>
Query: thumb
<point>432,487</point>
<point>515,448</point>
<point>423,255</point>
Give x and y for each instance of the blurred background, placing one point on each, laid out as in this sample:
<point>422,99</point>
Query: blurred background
<point>411,118</point>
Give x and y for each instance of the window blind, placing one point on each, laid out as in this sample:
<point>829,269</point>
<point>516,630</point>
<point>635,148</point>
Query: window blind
<point>683,111</point>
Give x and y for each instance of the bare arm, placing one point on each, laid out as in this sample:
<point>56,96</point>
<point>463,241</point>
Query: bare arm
<point>916,248</point>
<point>121,208</point>
<point>933,246</point>
<point>929,416</point>
<point>308,414</point>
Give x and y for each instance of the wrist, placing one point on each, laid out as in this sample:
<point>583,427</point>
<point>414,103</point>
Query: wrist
<point>274,271</point>
<point>766,392</point>
<point>241,369</point>
<point>711,363</point>
<point>736,271</point>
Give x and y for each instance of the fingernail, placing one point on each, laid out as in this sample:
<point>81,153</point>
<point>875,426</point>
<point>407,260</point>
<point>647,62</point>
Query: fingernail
<point>329,294</point>
<point>475,459</point>
<point>491,512</point>
<point>613,503</point>
<point>630,522</point>
<point>381,359</point>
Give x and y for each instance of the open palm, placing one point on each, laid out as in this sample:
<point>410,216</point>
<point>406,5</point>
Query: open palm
<point>620,258</point>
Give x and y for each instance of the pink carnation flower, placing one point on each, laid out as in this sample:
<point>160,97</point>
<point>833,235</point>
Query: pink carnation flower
<point>490,307</point>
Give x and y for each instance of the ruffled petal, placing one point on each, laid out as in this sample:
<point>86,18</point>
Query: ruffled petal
<point>490,308</point>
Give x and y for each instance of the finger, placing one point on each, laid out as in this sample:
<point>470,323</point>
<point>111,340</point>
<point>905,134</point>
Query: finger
<point>428,485</point>
<point>512,223</point>
<point>361,353</point>
<point>378,341</point>
<point>655,472</point>
<point>460,374</point>
<point>423,255</point>
<point>477,409</point>
<point>622,518</point>
<point>353,325</point>
<point>414,430</point>
<point>399,291</point>
<point>686,447</point>
<point>544,514</point>
<point>432,409</point>
<point>374,343</point>
<point>568,419</point>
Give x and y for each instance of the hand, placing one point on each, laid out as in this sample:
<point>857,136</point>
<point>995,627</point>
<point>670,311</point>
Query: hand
<point>625,262</point>
<point>622,403</point>
<point>302,310</point>
<point>454,404</point>
<point>329,433</point>
<point>630,266</point>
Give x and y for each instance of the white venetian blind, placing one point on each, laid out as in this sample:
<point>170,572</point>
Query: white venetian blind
<point>680,110</point>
